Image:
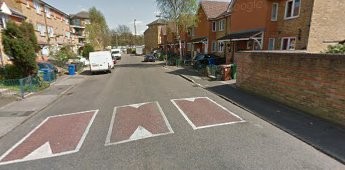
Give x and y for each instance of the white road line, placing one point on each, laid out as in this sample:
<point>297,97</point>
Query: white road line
<point>208,126</point>
<point>53,155</point>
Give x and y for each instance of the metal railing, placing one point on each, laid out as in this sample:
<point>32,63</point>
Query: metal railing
<point>22,87</point>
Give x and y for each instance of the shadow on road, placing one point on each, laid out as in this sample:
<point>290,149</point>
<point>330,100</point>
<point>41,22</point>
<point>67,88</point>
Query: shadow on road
<point>321,134</point>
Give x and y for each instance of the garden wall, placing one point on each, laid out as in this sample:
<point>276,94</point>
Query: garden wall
<point>314,83</point>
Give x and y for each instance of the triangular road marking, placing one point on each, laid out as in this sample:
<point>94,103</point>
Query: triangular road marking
<point>43,151</point>
<point>137,105</point>
<point>140,133</point>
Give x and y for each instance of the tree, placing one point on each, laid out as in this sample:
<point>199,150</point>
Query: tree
<point>98,30</point>
<point>64,54</point>
<point>87,49</point>
<point>18,42</point>
<point>180,12</point>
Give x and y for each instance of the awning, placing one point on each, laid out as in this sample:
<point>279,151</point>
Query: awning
<point>241,36</point>
<point>199,40</point>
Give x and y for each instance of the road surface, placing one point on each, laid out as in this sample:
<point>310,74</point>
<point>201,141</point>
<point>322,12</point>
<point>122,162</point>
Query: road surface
<point>143,116</point>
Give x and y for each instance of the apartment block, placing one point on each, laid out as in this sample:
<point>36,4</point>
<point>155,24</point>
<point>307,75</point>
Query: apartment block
<point>51,25</point>
<point>78,23</point>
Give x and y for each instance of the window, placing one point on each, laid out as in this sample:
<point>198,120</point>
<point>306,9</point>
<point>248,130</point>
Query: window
<point>37,7</point>
<point>27,4</point>
<point>250,45</point>
<point>68,35</point>
<point>214,26</point>
<point>288,43</point>
<point>271,43</point>
<point>42,29</point>
<point>274,16</point>
<point>50,31</point>
<point>221,25</point>
<point>292,8</point>
<point>214,46</point>
<point>220,46</point>
<point>47,11</point>
<point>189,46</point>
<point>3,20</point>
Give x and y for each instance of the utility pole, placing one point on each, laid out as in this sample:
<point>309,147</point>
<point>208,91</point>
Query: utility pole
<point>135,32</point>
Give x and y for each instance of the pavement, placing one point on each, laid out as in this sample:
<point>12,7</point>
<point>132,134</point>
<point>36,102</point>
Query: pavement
<point>323,135</point>
<point>14,112</point>
<point>144,116</point>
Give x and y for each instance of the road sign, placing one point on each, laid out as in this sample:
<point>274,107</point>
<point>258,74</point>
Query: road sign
<point>202,112</point>
<point>137,121</point>
<point>55,136</point>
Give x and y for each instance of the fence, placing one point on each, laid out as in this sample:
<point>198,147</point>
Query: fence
<point>24,86</point>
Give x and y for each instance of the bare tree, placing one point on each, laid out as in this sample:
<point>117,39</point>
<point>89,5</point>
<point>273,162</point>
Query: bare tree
<point>180,12</point>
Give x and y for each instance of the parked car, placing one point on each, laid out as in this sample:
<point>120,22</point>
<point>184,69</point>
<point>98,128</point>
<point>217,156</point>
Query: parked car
<point>150,58</point>
<point>116,53</point>
<point>202,60</point>
<point>45,65</point>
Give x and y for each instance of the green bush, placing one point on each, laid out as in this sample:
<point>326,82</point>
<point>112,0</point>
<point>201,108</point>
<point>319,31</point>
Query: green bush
<point>20,43</point>
<point>336,49</point>
<point>11,72</point>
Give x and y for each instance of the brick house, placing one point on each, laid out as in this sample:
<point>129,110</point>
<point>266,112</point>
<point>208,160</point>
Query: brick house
<point>51,25</point>
<point>204,35</point>
<point>153,35</point>
<point>305,25</point>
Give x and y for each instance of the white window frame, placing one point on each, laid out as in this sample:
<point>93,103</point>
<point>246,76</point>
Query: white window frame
<point>37,6</point>
<point>214,46</point>
<point>27,4</point>
<point>214,26</point>
<point>289,43</point>
<point>273,41</point>
<point>220,46</point>
<point>276,11</point>
<point>41,29</point>
<point>47,11</point>
<point>221,25</point>
<point>292,9</point>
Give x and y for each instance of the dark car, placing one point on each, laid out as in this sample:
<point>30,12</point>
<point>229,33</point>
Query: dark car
<point>150,58</point>
<point>44,65</point>
<point>201,60</point>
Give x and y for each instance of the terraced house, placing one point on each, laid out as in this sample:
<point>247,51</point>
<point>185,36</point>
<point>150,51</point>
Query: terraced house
<point>51,24</point>
<point>303,25</point>
<point>204,35</point>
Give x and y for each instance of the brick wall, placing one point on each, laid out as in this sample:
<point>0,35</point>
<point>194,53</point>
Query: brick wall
<point>314,83</point>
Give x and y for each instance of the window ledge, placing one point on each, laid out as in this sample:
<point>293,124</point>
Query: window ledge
<point>290,18</point>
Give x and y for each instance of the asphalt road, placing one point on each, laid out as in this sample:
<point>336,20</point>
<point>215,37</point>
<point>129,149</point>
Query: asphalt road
<point>248,144</point>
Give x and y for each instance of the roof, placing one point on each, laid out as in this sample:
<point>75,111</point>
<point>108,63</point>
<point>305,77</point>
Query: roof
<point>82,15</point>
<point>241,35</point>
<point>158,22</point>
<point>199,39</point>
<point>213,9</point>
<point>17,14</point>
<point>48,5</point>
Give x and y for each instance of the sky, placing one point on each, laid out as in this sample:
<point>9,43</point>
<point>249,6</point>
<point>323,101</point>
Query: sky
<point>116,12</point>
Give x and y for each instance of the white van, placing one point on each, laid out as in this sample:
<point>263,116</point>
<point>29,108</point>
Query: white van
<point>139,51</point>
<point>116,54</point>
<point>101,61</point>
